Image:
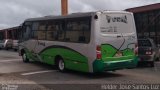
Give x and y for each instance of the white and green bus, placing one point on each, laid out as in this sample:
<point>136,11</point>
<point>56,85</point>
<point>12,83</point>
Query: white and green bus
<point>88,42</point>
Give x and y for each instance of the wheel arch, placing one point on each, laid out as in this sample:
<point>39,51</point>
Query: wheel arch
<point>57,57</point>
<point>22,51</point>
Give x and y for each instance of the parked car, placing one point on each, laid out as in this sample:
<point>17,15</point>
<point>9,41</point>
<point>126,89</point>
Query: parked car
<point>15,45</point>
<point>148,51</point>
<point>159,51</point>
<point>6,44</point>
<point>2,44</point>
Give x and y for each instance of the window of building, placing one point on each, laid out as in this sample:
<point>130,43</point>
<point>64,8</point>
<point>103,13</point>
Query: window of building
<point>148,24</point>
<point>2,34</point>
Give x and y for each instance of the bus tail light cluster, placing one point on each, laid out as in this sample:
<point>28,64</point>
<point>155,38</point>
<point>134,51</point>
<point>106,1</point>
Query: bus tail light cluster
<point>149,51</point>
<point>136,49</point>
<point>98,52</point>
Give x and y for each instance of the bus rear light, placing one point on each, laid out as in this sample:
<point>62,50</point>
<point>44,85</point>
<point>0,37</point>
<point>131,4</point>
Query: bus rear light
<point>136,45</point>
<point>99,56</point>
<point>98,52</point>
<point>148,53</point>
<point>136,49</point>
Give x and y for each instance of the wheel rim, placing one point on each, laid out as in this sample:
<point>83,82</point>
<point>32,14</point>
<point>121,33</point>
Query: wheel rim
<point>24,57</point>
<point>61,65</point>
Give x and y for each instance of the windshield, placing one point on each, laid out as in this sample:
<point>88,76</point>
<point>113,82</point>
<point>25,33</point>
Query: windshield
<point>116,23</point>
<point>142,43</point>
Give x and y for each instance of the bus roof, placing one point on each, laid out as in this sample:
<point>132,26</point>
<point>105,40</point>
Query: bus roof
<point>61,17</point>
<point>83,14</point>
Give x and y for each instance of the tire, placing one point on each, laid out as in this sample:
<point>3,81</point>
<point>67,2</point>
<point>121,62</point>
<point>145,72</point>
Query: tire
<point>24,58</point>
<point>61,65</point>
<point>7,49</point>
<point>152,64</point>
<point>15,50</point>
<point>157,59</point>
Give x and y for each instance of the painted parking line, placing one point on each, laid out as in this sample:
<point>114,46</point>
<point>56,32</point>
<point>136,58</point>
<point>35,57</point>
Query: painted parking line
<point>37,72</point>
<point>10,60</point>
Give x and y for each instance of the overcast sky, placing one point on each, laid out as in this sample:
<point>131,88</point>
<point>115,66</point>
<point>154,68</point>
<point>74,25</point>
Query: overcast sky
<point>14,12</point>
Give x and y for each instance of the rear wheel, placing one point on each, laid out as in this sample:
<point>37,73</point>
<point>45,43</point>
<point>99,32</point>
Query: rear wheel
<point>15,50</point>
<point>24,57</point>
<point>7,48</point>
<point>152,64</point>
<point>157,59</point>
<point>61,65</point>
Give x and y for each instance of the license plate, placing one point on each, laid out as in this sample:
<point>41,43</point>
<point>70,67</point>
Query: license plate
<point>118,54</point>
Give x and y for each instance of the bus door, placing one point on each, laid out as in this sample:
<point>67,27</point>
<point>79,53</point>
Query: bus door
<point>28,37</point>
<point>38,38</point>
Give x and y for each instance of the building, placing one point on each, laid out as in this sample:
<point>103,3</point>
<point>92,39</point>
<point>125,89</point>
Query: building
<point>10,33</point>
<point>147,20</point>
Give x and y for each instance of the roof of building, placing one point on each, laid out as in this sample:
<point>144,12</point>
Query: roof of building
<point>12,28</point>
<point>144,8</point>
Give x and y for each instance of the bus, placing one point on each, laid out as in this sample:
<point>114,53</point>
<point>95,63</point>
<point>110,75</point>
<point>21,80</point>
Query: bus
<point>87,42</point>
<point>9,38</point>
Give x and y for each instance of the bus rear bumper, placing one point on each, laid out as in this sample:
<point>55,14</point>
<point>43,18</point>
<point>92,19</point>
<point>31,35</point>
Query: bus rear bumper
<point>100,65</point>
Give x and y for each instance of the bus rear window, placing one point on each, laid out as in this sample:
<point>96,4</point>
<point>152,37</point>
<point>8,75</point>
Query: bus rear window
<point>115,23</point>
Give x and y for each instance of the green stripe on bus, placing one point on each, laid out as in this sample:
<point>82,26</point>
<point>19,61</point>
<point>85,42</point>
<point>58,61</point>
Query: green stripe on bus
<point>109,53</point>
<point>100,66</point>
<point>73,60</point>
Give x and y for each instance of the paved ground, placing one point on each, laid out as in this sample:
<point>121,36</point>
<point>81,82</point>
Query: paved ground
<point>37,76</point>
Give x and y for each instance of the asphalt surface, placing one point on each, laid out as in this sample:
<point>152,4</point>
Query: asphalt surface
<point>37,76</point>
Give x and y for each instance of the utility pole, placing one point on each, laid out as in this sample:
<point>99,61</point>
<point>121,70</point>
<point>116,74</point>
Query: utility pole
<point>64,7</point>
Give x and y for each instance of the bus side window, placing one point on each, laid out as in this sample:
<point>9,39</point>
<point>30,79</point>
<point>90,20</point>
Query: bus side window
<point>81,39</point>
<point>27,32</point>
<point>55,31</point>
<point>41,32</point>
<point>34,34</point>
<point>78,30</point>
<point>51,31</point>
<point>67,39</point>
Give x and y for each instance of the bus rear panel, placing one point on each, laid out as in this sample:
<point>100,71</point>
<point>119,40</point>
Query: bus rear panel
<point>116,42</point>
